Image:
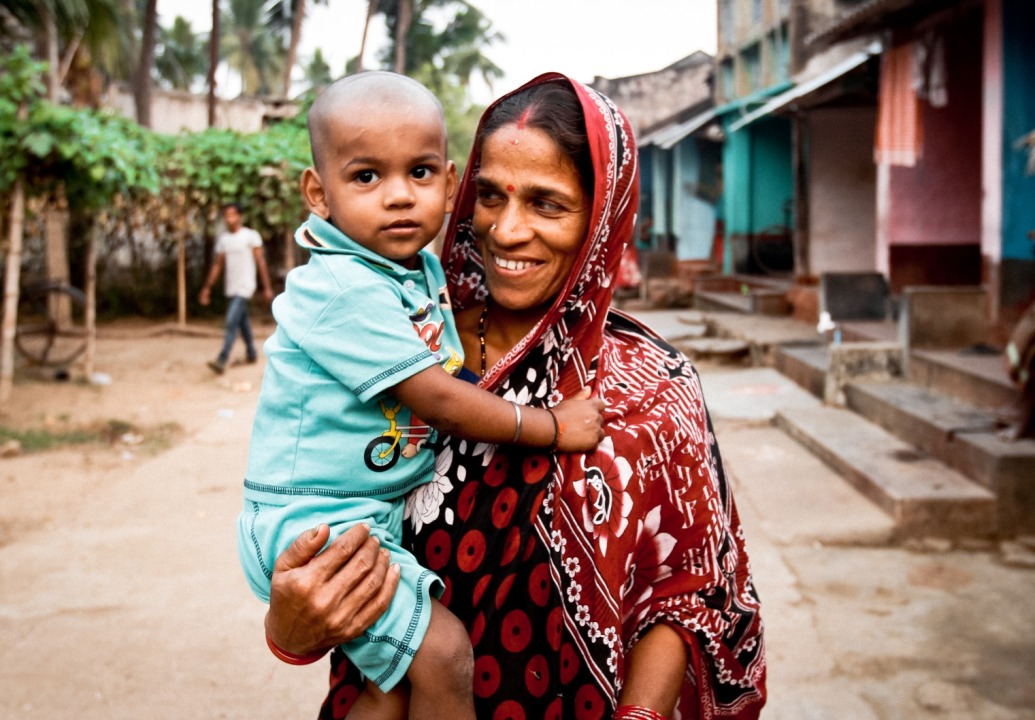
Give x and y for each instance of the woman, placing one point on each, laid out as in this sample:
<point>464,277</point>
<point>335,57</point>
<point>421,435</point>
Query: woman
<point>610,584</point>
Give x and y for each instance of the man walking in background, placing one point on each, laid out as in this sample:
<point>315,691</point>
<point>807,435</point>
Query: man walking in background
<point>239,249</point>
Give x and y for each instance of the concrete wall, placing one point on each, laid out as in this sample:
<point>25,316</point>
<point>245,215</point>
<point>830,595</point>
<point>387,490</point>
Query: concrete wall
<point>842,190</point>
<point>175,111</point>
<point>938,202</point>
<point>652,97</point>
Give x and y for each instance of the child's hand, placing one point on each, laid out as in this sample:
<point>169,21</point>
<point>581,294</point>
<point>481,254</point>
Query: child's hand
<point>580,422</point>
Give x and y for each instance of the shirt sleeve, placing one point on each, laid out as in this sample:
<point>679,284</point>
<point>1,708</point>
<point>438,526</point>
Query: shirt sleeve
<point>254,239</point>
<point>359,334</point>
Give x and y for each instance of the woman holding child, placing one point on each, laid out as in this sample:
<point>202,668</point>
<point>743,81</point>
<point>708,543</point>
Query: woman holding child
<point>608,584</point>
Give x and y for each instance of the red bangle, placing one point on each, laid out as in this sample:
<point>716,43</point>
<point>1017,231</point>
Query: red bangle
<point>291,658</point>
<point>636,712</point>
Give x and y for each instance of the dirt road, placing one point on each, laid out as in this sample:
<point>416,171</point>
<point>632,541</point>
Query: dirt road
<point>120,591</point>
<point>121,595</point>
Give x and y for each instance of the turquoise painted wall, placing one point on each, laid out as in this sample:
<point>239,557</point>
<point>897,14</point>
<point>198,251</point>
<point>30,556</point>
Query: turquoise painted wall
<point>693,209</point>
<point>660,182</point>
<point>772,177</point>
<point>1018,120</point>
<point>758,176</point>
<point>758,180</point>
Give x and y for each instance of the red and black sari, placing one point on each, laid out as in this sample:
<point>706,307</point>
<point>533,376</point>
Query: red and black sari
<point>558,564</point>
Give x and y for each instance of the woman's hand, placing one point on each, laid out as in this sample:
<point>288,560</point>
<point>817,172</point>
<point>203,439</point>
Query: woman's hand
<point>321,599</point>
<point>580,424</point>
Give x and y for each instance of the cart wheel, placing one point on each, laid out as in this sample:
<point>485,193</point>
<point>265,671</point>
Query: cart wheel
<point>51,327</point>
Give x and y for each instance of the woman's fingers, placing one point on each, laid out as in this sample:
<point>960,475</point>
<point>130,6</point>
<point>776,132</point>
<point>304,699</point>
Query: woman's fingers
<point>302,550</point>
<point>369,599</point>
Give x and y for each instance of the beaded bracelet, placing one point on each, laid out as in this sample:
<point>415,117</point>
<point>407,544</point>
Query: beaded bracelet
<point>291,658</point>
<point>636,712</point>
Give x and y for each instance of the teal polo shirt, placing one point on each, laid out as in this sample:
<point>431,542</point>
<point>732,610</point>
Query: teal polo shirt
<point>350,326</point>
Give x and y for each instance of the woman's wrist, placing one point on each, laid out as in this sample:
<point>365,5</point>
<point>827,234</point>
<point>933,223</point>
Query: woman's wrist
<point>291,658</point>
<point>556,431</point>
<point>636,712</point>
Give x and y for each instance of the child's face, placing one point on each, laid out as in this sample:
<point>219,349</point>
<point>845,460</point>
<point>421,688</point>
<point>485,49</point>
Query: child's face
<point>384,180</point>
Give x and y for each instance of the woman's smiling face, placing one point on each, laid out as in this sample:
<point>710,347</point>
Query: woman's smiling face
<point>530,216</point>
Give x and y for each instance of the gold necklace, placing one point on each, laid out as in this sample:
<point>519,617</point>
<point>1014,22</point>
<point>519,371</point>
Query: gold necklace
<point>481,332</point>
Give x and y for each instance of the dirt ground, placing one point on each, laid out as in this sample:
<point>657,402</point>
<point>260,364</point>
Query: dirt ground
<point>120,591</point>
<point>121,595</point>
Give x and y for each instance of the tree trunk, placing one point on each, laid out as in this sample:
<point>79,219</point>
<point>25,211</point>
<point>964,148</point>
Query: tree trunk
<point>213,63</point>
<point>11,284</point>
<point>402,30</point>
<point>90,316</point>
<point>142,82</point>
<point>181,280</point>
<point>292,52</point>
<point>56,233</point>
<point>371,10</point>
<point>50,50</point>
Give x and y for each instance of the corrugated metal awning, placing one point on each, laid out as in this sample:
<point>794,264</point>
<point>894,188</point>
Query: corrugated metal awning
<point>809,86</point>
<point>668,136</point>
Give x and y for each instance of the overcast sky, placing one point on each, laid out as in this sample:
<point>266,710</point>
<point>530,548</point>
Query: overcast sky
<point>581,38</point>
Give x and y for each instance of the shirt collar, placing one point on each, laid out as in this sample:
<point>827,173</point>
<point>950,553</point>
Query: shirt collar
<point>318,235</point>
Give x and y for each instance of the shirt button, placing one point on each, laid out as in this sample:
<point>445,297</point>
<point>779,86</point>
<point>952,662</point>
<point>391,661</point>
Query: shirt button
<point>409,284</point>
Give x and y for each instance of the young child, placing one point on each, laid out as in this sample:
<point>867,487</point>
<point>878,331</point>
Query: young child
<point>365,342</point>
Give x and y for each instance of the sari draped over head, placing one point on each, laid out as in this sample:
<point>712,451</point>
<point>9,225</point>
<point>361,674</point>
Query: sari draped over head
<point>558,563</point>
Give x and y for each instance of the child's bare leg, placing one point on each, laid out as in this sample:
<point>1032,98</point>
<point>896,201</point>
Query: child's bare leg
<point>372,704</point>
<point>442,672</point>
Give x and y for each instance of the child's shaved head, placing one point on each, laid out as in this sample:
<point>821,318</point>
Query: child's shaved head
<point>355,93</point>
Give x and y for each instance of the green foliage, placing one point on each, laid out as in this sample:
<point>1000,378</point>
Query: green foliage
<point>141,193</point>
<point>92,156</point>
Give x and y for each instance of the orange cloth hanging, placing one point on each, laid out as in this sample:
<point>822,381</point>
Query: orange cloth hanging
<point>899,130</point>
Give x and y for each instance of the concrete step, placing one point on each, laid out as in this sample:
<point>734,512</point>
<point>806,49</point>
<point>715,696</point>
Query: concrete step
<point>960,435</point>
<point>923,496</point>
<point>976,378</point>
<point>806,365</point>
<point>721,301</point>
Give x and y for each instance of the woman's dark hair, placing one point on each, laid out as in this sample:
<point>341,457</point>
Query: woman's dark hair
<point>554,108</point>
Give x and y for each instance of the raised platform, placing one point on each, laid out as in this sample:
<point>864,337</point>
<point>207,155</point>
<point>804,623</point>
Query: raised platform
<point>921,495</point>
<point>963,436</point>
<point>934,412</point>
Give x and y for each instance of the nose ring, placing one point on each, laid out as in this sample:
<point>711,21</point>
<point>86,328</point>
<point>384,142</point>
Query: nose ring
<point>492,228</point>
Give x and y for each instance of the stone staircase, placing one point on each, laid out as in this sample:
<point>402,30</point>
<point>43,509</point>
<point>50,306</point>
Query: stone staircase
<point>924,446</point>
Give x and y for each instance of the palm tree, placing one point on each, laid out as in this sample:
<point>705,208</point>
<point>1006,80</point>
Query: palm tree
<point>450,55</point>
<point>213,62</point>
<point>318,72</point>
<point>289,15</point>
<point>468,33</point>
<point>62,28</point>
<point>403,18</point>
<point>372,8</point>
<point>181,59</point>
<point>249,48</point>
<point>143,82</point>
